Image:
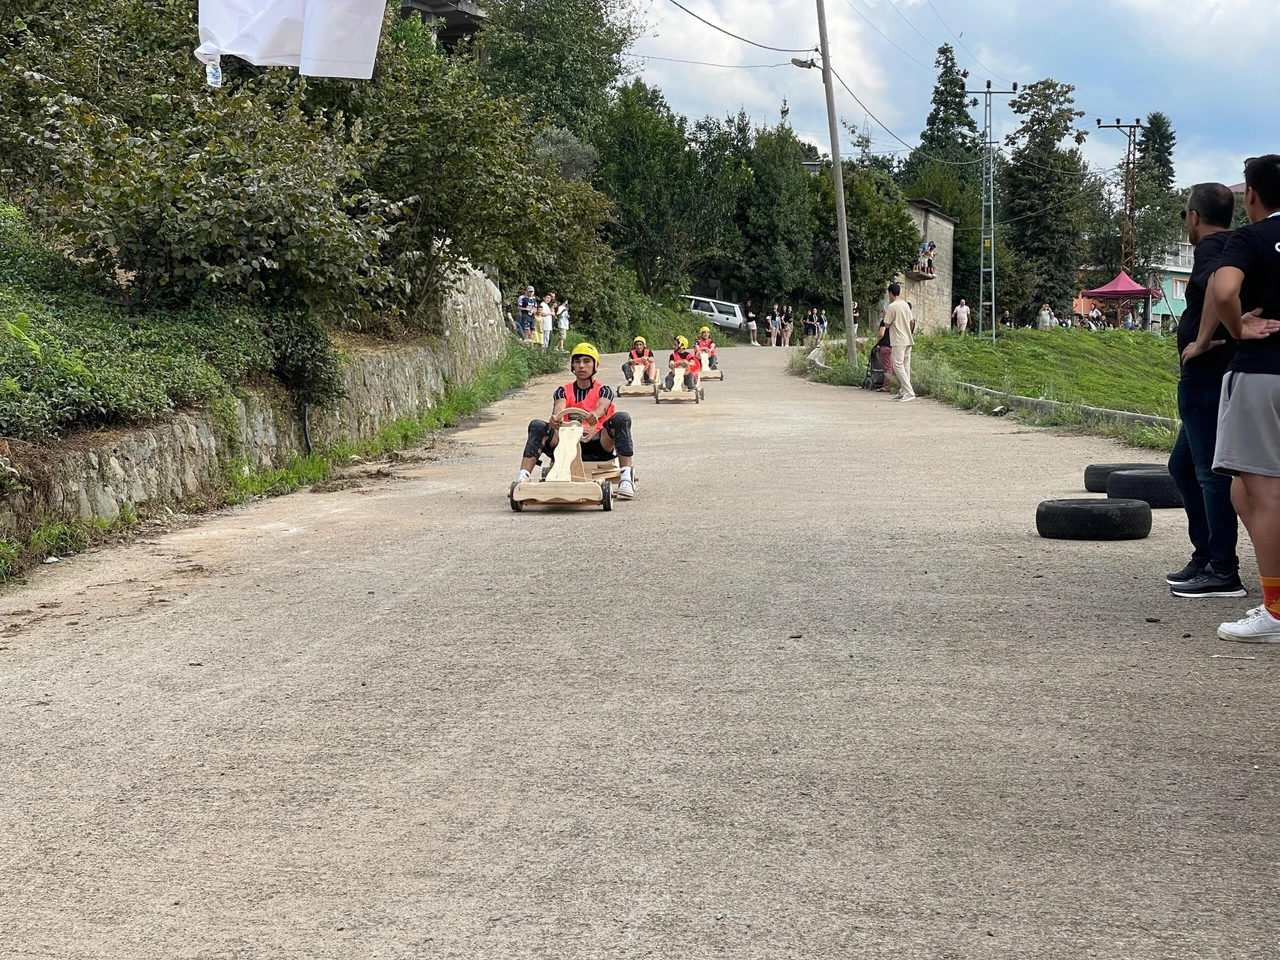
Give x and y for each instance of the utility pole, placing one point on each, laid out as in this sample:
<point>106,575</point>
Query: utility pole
<point>987,256</point>
<point>842,228</point>
<point>1129,229</point>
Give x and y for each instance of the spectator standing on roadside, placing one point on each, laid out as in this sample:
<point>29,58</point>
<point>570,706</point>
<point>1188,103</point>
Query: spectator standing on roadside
<point>1246,295</point>
<point>562,323</point>
<point>1205,349</point>
<point>546,319</point>
<point>960,317</point>
<point>788,324</point>
<point>824,321</point>
<point>775,325</point>
<point>902,326</point>
<point>750,312</point>
<point>1044,319</point>
<point>526,306</point>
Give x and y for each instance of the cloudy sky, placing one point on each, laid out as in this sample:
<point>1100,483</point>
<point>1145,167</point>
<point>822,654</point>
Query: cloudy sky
<point>1212,65</point>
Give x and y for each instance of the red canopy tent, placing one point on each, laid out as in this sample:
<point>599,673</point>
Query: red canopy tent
<point>1124,287</point>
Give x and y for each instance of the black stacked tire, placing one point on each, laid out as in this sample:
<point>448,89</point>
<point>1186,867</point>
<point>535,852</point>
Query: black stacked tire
<point>1086,519</point>
<point>1095,475</point>
<point>1156,487</point>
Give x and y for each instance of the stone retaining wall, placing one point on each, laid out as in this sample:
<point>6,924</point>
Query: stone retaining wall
<point>96,475</point>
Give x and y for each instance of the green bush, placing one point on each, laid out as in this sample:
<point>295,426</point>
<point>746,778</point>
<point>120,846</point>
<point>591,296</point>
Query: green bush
<point>72,357</point>
<point>624,313</point>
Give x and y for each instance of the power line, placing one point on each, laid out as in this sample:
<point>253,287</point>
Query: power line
<point>886,36</point>
<point>866,109</point>
<point>762,46</point>
<point>703,63</point>
<point>961,42</point>
<point>911,25</point>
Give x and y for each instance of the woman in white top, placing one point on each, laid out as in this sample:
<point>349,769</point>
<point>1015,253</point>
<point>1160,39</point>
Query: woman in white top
<point>546,320</point>
<point>562,323</point>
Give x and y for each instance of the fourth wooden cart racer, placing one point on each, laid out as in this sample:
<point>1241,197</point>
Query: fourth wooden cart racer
<point>606,431</point>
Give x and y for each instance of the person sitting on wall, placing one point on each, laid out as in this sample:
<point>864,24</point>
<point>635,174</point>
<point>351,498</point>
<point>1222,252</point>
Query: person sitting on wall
<point>641,356</point>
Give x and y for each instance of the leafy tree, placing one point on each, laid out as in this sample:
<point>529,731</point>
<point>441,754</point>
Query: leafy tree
<point>1044,203</point>
<point>774,218</point>
<point>950,127</point>
<point>1155,152</point>
<point>674,192</point>
<point>560,57</point>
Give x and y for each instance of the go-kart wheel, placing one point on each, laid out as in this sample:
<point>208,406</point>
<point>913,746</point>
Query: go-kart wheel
<point>656,398</point>
<point>516,505</point>
<point>606,496</point>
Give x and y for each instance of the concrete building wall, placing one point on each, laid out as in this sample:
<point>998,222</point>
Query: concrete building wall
<point>931,299</point>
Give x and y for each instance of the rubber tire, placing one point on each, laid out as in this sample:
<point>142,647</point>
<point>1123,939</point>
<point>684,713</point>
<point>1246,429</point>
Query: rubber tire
<point>606,496</point>
<point>1156,487</point>
<point>1093,519</point>
<point>516,505</point>
<point>656,398</point>
<point>1095,475</point>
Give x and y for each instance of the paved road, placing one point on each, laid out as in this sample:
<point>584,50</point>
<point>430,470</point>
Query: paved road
<point>819,692</point>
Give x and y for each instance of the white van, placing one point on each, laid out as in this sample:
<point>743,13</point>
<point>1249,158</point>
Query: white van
<point>721,313</point>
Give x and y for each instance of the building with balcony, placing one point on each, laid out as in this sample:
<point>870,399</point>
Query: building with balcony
<point>453,20</point>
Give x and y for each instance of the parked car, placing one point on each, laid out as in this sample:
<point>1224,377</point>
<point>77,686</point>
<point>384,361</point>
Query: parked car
<point>721,313</point>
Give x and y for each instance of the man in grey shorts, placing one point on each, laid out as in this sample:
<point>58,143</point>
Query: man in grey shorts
<point>1246,290</point>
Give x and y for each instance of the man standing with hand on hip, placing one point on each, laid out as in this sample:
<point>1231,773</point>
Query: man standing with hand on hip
<point>1246,294</point>
<point>1206,350</point>
<point>902,327</point>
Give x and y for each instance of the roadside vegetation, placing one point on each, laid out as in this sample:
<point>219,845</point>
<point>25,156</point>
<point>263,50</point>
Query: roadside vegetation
<point>1128,371</point>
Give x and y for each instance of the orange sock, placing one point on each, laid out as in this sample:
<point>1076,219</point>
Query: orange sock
<point>1271,595</point>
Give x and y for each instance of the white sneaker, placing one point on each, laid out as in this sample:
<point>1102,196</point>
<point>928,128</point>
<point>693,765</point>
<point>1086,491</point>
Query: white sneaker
<point>626,489</point>
<point>1257,626</point>
<point>908,399</point>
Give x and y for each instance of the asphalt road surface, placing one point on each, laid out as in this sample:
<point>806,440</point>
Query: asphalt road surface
<point>820,691</point>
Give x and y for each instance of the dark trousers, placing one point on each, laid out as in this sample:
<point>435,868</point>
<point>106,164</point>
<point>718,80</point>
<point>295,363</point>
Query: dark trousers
<point>1206,496</point>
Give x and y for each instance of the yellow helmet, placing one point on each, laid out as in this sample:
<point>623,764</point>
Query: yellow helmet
<point>585,349</point>
<point>641,341</point>
<point>684,342</point>
<point>704,330</point>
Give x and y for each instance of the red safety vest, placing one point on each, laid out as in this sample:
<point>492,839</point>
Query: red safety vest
<point>690,358</point>
<point>707,345</point>
<point>646,354</point>
<point>589,402</point>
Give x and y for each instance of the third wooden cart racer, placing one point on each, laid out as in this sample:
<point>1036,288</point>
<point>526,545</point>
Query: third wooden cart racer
<point>705,344</point>
<point>606,431</point>
<point>640,356</point>
<point>681,354</point>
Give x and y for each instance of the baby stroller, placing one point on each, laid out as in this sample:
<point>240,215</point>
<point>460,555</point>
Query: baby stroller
<point>873,379</point>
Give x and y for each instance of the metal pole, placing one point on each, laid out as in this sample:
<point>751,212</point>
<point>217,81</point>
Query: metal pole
<point>987,253</point>
<point>842,228</point>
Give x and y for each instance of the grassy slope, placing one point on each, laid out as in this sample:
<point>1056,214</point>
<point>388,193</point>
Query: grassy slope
<point>72,356</point>
<point>1119,369</point>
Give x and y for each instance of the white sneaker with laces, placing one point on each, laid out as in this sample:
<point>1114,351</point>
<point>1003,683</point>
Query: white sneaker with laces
<point>626,489</point>
<point>1257,626</point>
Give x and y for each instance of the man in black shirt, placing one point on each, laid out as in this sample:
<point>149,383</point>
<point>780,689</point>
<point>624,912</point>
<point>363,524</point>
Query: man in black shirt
<point>1214,570</point>
<point>1246,293</point>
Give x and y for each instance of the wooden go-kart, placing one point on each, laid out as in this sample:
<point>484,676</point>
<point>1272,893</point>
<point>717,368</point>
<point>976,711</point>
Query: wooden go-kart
<point>679,393</point>
<point>707,372</point>
<point>569,481</point>
<point>636,387</point>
